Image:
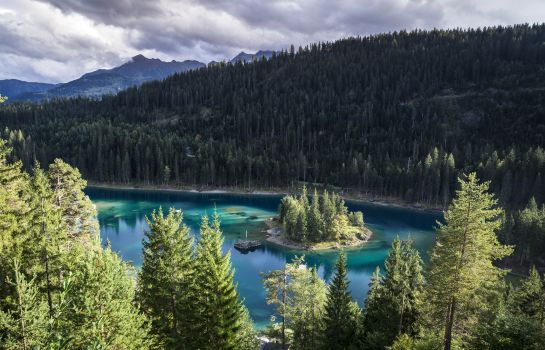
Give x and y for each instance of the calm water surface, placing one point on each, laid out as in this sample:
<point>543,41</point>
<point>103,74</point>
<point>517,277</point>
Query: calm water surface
<point>121,214</point>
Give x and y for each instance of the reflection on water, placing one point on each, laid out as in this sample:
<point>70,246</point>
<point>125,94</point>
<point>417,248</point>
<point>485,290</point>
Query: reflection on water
<point>121,214</point>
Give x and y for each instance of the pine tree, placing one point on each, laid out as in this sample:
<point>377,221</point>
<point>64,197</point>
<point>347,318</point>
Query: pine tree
<point>315,222</point>
<point>394,300</point>
<point>167,276</point>
<point>339,319</point>
<point>102,313</point>
<point>219,310</point>
<point>461,274</point>
<point>299,297</point>
<point>77,211</point>
<point>25,327</point>
<point>13,217</point>
<point>529,298</point>
<point>247,336</point>
<point>375,314</point>
<point>43,254</point>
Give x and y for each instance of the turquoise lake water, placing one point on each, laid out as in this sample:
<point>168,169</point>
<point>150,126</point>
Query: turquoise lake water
<point>121,215</point>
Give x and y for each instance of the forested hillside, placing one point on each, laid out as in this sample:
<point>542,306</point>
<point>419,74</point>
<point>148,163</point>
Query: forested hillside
<point>398,114</point>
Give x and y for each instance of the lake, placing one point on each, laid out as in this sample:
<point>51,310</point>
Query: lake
<point>121,214</point>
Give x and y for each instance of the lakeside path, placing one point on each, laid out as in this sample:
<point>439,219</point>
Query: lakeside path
<point>360,198</point>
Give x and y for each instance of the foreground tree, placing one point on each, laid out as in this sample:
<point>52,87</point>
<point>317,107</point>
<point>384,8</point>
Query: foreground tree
<point>216,301</point>
<point>101,312</point>
<point>393,305</point>
<point>166,278</point>
<point>299,296</point>
<point>461,275</point>
<point>26,326</point>
<point>340,319</point>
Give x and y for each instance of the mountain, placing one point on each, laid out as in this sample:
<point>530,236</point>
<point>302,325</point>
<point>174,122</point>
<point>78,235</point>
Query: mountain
<point>249,57</point>
<point>101,82</point>
<point>110,81</point>
<point>12,88</point>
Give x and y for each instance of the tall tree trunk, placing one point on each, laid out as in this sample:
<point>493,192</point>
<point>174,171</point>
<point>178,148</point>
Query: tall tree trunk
<point>449,325</point>
<point>284,312</point>
<point>46,258</point>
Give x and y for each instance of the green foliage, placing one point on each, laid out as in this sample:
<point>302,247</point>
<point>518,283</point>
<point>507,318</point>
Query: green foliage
<point>219,311</point>
<point>393,306</point>
<point>77,211</point>
<point>326,219</point>
<point>340,318</point>
<point>529,298</point>
<point>527,231</point>
<point>26,325</point>
<point>247,336</point>
<point>461,275</point>
<point>65,291</point>
<point>356,219</point>
<point>102,313</point>
<point>299,297</point>
<point>167,277</point>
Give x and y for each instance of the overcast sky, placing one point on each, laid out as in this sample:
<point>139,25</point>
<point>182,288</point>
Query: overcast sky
<point>59,40</point>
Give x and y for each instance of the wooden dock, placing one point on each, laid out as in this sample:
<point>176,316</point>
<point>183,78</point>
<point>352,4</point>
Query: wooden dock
<point>247,246</point>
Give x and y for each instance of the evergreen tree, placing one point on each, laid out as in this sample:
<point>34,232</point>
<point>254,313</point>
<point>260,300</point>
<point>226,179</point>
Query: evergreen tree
<point>26,326</point>
<point>395,299</point>
<point>315,222</point>
<point>299,297</point>
<point>339,320</point>
<point>102,314</point>
<point>529,298</point>
<point>166,278</point>
<point>77,211</point>
<point>461,273</point>
<point>309,293</point>
<point>247,336</point>
<point>219,310</point>
<point>42,252</point>
<point>375,314</point>
<point>13,218</point>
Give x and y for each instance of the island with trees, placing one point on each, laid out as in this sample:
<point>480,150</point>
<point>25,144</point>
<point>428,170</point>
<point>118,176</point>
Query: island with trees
<point>323,222</point>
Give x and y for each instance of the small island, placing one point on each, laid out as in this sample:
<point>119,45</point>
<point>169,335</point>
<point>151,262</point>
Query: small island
<point>320,224</point>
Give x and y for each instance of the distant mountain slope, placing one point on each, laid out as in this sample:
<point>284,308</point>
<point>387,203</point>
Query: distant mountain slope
<point>110,81</point>
<point>249,57</point>
<point>12,88</point>
<point>101,82</point>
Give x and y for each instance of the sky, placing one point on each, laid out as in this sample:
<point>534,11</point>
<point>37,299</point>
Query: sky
<point>59,40</point>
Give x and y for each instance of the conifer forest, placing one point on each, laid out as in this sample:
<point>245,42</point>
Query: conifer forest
<point>451,120</point>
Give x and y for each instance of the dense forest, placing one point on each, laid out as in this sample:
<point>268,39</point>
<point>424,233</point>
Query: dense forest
<point>60,288</point>
<point>399,114</point>
<point>393,115</point>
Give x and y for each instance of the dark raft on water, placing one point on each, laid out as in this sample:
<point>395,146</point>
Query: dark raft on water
<point>247,246</point>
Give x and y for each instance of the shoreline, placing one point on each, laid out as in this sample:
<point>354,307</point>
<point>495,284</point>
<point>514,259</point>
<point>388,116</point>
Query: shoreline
<point>359,198</point>
<point>275,237</point>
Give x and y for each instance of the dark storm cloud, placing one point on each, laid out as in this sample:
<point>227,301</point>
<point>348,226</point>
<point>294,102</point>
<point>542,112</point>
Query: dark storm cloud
<point>81,35</point>
<point>109,11</point>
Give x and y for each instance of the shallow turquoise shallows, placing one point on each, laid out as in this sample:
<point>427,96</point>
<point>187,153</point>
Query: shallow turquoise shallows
<point>121,214</point>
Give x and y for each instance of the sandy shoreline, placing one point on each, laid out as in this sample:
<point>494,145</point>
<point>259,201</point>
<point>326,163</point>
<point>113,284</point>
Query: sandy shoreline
<point>390,202</point>
<point>275,237</point>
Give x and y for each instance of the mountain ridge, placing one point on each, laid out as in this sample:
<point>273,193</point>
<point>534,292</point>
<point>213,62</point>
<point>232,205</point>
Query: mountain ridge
<point>138,70</point>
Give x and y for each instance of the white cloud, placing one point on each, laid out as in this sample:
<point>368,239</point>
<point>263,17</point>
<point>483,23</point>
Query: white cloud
<point>59,40</point>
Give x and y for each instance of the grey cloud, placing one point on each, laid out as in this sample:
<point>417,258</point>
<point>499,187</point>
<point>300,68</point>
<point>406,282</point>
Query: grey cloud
<point>217,29</point>
<point>109,11</point>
